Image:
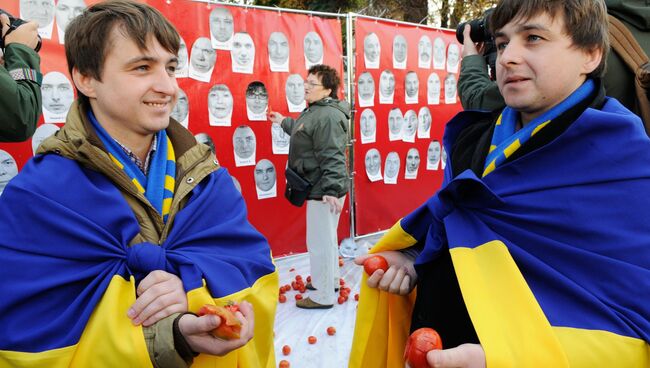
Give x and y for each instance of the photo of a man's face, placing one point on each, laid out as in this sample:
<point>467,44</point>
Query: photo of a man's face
<point>66,10</point>
<point>368,123</point>
<point>371,50</point>
<point>453,57</point>
<point>40,11</point>
<point>243,140</point>
<point>42,132</point>
<point>243,49</point>
<point>412,160</point>
<point>57,93</point>
<point>278,48</point>
<point>265,175</point>
<point>182,59</point>
<point>411,85</point>
<point>400,49</point>
<point>433,155</point>
<point>433,88</point>
<point>410,123</point>
<point>257,98</point>
<point>450,88</point>
<point>391,168</point>
<point>387,83</point>
<point>424,51</point>
<point>8,169</point>
<point>220,101</point>
<point>182,107</point>
<point>366,86</point>
<point>207,140</point>
<point>221,24</point>
<point>203,56</point>
<point>424,119</point>
<point>313,46</point>
<point>395,121</point>
<point>295,89</point>
<point>279,137</point>
<point>373,162</point>
<point>438,53</point>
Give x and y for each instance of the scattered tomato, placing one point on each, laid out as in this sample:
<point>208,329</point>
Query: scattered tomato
<point>284,364</point>
<point>308,278</point>
<point>340,263</point>
<point>341,282</point>
<point>341,300</point>
<point>282,298</point>
<point>331,331</point>
<point>298,296</point>
<point>286,350</point>
<point>230,327</point>
<point>292,269</point>
<point>419,344</point>
<point>311,339</point>
<point>356,296</point>
<point>375,263</point>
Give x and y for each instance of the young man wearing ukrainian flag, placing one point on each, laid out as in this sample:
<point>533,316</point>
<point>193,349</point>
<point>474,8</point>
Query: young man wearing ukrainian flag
<point>123,223</point>
<point>536,250</point>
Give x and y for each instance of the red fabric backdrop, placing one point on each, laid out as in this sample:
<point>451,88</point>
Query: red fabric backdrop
<point>379,205</point>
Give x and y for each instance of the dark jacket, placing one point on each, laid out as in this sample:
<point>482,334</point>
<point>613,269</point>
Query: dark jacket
<point>317,149</point>
<point>20,100</point>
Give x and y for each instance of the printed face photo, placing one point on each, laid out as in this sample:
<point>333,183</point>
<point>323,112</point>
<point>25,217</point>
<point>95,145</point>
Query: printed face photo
<point>278,48</point>
<point>433,85</point>
<point>182,55</point>
<point>411,84</point>
<point>453,55</point>
<point>433,153</point>
<point>257,98</point>
<point>8,169</point>
<point>392,165</point>
<point>410,123</point>
<point>57,93</point>
<point>424,49</point>
<point>279,137</point>
<point>42,132</point>
<point>387,83</point>
<point>366,86</point>
<point>400,48</point>
<point>368,123</point>
<point>207,140</point>
<point>265,175</point>
<point>243,49</point>
<point>295,89</point>
<point>439,51</point>
<point>220,101</point>
<point>41,11</point>
<point>182,107</point>
<point>371,48</point>
<point>243,141</point>
<point>221,24</point>
<point>203,55</point>
<point>412,160</point>
<point>373,161</point>
<point>424,118</point>
<point>395,121</point>
<point>450,85</point>
<point>313,46</point>
<point>66,10</point>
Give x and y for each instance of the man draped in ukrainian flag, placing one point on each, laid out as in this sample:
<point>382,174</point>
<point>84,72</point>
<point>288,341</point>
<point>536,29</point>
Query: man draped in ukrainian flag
<point>536,250</point>
<point>123,222</point>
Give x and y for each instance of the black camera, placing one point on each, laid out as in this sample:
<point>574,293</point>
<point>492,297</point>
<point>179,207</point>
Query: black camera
<point>480,32</point>
<point>13,24</point>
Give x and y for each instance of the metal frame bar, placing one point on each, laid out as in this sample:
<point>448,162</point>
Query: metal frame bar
<point>281,10</point>
<point>351,59</point>
<point>356,15</point>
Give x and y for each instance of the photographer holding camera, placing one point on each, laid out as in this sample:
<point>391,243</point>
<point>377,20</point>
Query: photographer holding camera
<point>20,79</point>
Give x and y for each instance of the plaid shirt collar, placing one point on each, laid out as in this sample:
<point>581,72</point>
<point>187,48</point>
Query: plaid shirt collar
<point>144,166</point>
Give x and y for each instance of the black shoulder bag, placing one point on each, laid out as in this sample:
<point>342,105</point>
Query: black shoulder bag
<point>297,188</point>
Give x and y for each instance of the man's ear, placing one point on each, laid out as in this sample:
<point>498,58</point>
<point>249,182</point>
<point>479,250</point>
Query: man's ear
<point>592,59</point>
<point>85,84</point>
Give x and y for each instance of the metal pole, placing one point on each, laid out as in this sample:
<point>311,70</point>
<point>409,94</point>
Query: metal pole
<point>284,10</point>
<point>351,58</point>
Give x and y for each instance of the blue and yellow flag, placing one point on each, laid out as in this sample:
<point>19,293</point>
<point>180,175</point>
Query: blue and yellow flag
<point>69,270</point>
<point>551,251</point>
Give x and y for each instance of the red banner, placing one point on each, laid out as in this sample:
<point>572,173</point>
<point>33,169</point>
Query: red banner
<point>405,93</point>
<point>237,64</point>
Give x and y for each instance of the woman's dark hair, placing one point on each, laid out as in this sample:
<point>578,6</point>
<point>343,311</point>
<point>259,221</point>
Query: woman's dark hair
<point>328,76</point>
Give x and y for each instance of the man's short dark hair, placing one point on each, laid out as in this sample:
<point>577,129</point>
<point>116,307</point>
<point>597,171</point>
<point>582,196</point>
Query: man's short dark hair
<point>329,78</point>
<point>87,38</point>
<point>254,87</point>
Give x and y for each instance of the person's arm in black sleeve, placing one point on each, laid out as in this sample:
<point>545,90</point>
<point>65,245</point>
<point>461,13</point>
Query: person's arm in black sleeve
<point>20,83</point>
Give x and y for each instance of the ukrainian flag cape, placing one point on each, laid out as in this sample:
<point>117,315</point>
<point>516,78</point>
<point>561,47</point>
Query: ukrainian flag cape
<point>68,273</point>
<point>551,251</point>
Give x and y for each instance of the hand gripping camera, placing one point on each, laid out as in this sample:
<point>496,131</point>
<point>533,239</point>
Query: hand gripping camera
<point>13,24</point>
<point>480,32</point>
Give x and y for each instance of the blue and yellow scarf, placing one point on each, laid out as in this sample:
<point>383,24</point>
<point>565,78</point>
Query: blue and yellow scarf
<point>158,185</point>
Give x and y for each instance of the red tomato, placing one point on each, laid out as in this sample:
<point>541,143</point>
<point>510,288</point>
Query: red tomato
<point>356,297</point>
<point>341,299</point>
<point>375,263</point>
<point>308,278</point>
<point>341,282</point>
<point>419,344</point>
<point>298,296</point>
<point>331,331</point>
<point>311,339</point>
<point>282,298</point>
<point>298,278</point>
<point>286,350</point>
<point>284,364</point>
<point>230,327</point>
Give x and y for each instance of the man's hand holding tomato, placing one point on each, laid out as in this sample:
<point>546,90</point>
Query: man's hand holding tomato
<point>400,277</point>
<point>198,331</point>
<point>160,294</point>
<point>462,356</point>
